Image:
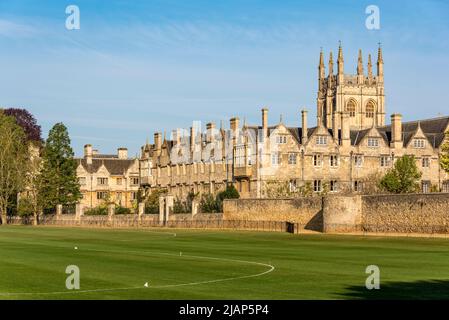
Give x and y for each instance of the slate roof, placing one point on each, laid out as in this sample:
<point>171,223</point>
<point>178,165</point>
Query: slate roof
<point>433,130</point>
<point>114,166</point>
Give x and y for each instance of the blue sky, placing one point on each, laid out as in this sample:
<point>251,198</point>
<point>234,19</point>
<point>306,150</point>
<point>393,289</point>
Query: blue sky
<point>136,67</point>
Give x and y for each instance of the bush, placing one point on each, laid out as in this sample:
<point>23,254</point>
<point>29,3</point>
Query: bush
<point>180,206</point>
<point>209,204</point>
<point>122,210</point>
<point>97,211</point>
<point>230,193</point>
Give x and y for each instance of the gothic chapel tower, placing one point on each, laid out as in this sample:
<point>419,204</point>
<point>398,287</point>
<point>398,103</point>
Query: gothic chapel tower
<point>360,95</point>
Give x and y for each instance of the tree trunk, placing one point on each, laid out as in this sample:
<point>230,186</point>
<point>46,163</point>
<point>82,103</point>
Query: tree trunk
<point>36,219</point>
<point>3,219</point>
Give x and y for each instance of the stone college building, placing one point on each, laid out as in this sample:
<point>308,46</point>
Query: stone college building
<point>350,145</point>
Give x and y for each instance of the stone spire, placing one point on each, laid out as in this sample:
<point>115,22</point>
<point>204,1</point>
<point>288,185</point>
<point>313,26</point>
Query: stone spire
<point>321,72</point>
<point>340,64</point>
<point>379,54</point>
<point>380,65</point>
<point>370,69</point>
<point>340,60</point>
<point>360,76</point>
<point>360,63</point>
<point>331,64</point>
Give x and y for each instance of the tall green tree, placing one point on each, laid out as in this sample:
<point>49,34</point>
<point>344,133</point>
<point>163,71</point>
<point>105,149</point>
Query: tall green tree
<point>59,184</point>
<point>14,160</point>
<point>445,154</point>
<point>403,177</point>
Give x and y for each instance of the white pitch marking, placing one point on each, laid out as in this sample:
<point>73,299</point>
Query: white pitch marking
<point>146,285</point>
<point>76,248</point>
<point>271,268</point>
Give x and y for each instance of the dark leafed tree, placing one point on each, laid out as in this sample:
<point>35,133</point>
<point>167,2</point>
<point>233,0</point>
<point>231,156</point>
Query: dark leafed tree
<point>13,162</point>
<point>27,121</point>
<point>59,184</point>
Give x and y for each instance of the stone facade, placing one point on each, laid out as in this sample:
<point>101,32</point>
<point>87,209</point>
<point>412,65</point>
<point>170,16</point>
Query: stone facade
<point>348,147</point>
<point>106,178</point>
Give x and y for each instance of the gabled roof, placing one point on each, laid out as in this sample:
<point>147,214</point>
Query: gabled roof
<point>433,129</point>
<point>114,166</point>
<point>358,135</point>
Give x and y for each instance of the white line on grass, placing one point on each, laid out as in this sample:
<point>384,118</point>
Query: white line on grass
<point>271,268</point>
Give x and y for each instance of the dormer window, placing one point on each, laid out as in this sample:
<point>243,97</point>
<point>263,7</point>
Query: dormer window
<point>373,142</point>
<point>419,143</point>
<point>321,140</point>
<point>281,139</point>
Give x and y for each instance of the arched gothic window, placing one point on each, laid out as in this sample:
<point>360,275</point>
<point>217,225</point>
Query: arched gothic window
<point>350,108</point>
<point>370,109</point>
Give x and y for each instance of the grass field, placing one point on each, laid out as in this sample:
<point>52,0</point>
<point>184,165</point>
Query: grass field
<point>197,264</point>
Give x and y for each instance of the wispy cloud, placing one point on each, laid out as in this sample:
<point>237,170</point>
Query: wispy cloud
<point>13,29</point>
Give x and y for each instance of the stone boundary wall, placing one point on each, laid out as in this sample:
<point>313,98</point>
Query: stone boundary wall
<point>406,213</point>
<point>199,221</point>
<point>305,212</point>
<point>122,221</point>
<point>411,213</point>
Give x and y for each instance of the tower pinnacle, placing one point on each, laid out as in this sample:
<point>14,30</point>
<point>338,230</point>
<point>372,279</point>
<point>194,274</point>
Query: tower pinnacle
<point>321,72</point>
<point>370,68</point>
<point>360,63</point>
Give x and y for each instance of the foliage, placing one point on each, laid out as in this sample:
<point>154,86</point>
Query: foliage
<point>372,183</point>
<point>403,177</point>
<point>229,193</point>
<point>209,204</point>
<point>97,211</point>
<point>180,206</point>
<point>25,207</point>
<point>152,201</point>
<point>27,121</point>
<point>445,153</point>
<point>281,189</point>
<point>122,210</point>
<point>34,185</point>
<point>59,183</point>
<point>434,188</point>
<point>14,162</point>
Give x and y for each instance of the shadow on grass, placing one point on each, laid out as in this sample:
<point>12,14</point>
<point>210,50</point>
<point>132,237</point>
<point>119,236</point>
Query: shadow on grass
<point>423,290</point>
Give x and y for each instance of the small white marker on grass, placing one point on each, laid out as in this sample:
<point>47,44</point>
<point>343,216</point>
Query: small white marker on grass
<point>76,248</point>
<point>146,285</point>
